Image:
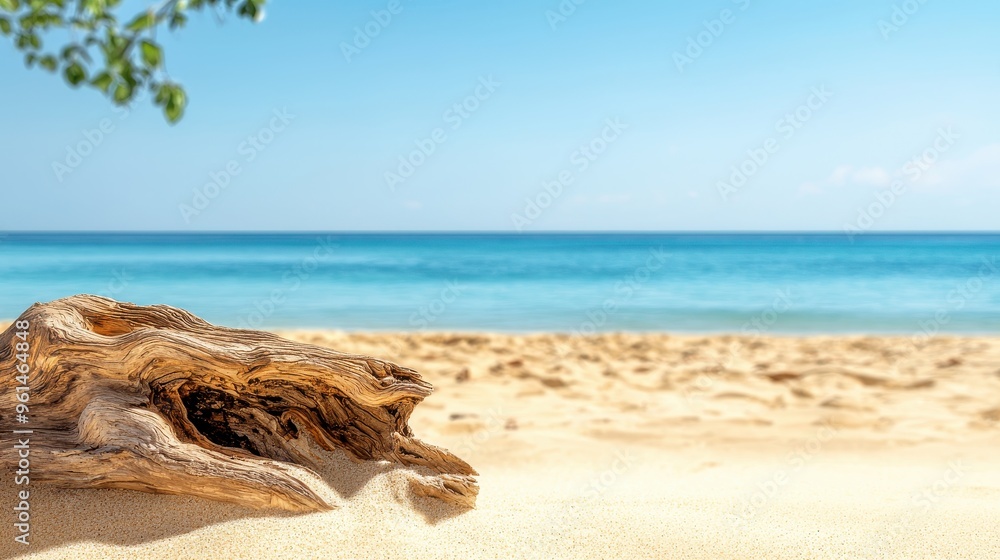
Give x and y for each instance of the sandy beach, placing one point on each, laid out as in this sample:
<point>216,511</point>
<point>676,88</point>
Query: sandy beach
<point>500,280</point>
<point>625,445</point>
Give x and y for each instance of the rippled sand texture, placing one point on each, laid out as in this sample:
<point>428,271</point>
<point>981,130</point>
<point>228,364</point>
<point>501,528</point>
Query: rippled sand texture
<point>644,446</point>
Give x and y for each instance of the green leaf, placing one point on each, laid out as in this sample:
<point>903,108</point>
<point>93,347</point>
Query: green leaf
<point>102,81</point>
<point>10,5</point>
<point>48,62</point>
<point>70,50</point>
<point>5,26</point>
<point>79,23</point>
<point>128,76</point>
<point>162,95</point>
<point>93,6</point>
<point>175,104</point>
<point>248,10</point>
<point>177,20</point>
<point>115,44</point>
<point>152,55</point>
<point>27,21</point>
<point>144,21</point>
<point>53,20</point>
<point>75,74</point>
<point>122,93</point>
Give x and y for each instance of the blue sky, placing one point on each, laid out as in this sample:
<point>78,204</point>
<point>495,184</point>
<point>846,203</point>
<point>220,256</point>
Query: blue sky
<point>646,110</point>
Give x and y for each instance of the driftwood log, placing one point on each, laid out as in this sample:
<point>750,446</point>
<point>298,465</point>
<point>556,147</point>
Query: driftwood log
<point>158,400</point>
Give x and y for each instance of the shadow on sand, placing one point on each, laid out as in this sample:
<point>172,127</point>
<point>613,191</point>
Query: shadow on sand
<point>61,517</point>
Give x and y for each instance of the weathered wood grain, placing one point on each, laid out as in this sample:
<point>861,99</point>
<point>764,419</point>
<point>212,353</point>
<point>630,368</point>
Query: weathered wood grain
<point>158,400</point>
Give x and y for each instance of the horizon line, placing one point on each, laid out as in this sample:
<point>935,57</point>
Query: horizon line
<point>505,232</point>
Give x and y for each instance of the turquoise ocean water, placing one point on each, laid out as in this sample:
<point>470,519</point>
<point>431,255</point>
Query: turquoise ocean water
<point>780,283</point>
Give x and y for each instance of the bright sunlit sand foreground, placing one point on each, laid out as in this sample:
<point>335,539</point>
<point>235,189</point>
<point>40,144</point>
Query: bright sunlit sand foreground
<point>631,446</point>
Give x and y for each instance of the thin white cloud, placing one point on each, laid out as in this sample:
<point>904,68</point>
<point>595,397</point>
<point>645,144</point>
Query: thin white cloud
<point>840,175</point>
<point>849,176</point>
<point>872,176</point>
<point>810,189</point>
<point>614,198</point>
<point>601,199</point>
<point>981,169</point>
